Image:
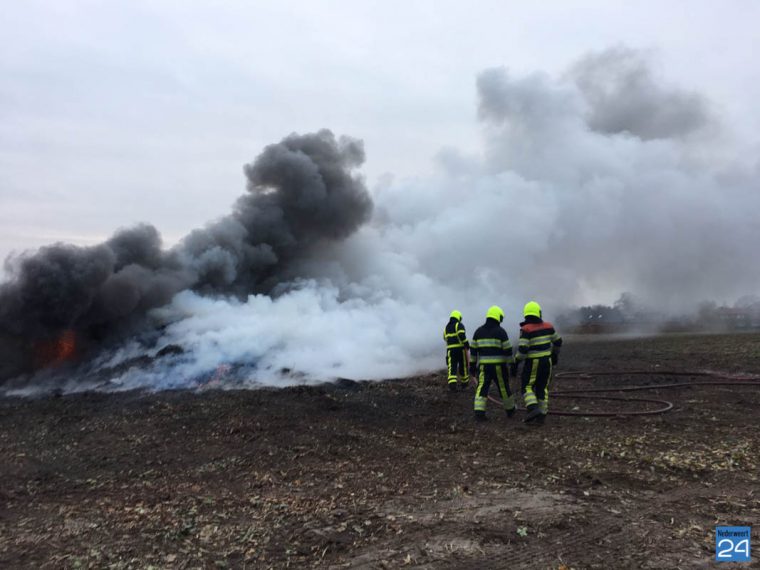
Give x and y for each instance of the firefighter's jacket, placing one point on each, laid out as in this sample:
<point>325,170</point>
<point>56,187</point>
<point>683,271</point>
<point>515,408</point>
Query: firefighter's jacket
<point>538,339</point>
<point>490,344</point>
<point>455,335</point>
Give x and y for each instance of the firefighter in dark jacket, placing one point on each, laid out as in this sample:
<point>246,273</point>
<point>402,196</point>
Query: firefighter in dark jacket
<point>457,360</point>
<point>490,356</point>
<point>538,348</point>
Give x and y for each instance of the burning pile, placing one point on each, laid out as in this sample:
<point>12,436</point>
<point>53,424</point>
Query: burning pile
<point>58,351</point>
<point>302,194</point>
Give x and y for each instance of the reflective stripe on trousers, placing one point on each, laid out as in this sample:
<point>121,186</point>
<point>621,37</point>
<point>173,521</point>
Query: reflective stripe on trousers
<point>456,364</point>
<point>537,375</point>
<point>489,372</point>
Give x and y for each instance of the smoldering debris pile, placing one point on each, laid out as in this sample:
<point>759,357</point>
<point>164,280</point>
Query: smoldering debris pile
<point>64,299</point>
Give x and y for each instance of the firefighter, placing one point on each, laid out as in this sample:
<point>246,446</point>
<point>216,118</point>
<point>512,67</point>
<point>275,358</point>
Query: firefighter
<point>457,359</point>
<point>490,355</point>
<point>538,348</point>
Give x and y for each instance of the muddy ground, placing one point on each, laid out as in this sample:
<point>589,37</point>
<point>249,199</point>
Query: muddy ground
<point>388,475</point>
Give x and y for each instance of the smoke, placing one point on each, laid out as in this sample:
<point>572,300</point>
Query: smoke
<point>623,206</point>
<point>624,96</point>
<point>302,193</point>
<point>602,180</point>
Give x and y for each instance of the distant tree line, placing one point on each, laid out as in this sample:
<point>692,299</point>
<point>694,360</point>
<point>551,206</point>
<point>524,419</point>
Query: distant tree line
<point>628,314</point>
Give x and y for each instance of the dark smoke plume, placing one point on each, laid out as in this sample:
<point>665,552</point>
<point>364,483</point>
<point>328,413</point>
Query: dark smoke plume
<point>302,193</point>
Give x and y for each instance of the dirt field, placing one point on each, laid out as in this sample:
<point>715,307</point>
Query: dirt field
<point>388,475</point>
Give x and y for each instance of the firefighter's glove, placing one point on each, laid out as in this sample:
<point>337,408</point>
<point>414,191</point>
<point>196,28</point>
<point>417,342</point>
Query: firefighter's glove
<point>473,369</point>
<point>555,359</point>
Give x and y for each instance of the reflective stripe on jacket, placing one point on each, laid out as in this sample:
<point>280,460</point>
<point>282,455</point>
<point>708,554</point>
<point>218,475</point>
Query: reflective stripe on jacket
<point>490,344</point>
<point>455,335</point>
<point>538,339</point>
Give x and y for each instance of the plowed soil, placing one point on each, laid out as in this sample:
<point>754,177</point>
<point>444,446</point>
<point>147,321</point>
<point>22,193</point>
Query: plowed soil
<point>392,474</point>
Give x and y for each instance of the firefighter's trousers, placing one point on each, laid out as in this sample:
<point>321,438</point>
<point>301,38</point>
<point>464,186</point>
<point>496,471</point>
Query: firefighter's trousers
<point>536,376</point>
<point>456,363</point>
<point>488,373</point>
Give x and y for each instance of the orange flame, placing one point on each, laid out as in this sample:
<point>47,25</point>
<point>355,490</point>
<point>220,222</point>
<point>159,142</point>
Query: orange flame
<point>66,346</point>
<point>58,351</point>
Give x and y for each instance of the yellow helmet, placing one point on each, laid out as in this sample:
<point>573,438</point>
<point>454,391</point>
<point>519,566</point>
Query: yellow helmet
<point>532,309</point>
<point>495,312</point>
<point>456,315</point>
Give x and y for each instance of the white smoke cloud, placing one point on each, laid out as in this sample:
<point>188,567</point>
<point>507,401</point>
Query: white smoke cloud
<point>624,96</point>
<point>307,335</point>
<point>668,218</point>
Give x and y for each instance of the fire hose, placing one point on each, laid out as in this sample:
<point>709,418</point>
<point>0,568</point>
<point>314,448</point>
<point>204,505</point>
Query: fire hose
<point>715,379</point>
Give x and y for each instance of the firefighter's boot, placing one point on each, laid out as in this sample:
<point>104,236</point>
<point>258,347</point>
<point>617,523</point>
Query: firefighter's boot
<point>533,412</point>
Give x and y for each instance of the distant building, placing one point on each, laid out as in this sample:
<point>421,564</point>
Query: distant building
<point>739,318</point>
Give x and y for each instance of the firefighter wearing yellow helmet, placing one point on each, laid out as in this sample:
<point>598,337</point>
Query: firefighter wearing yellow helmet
<point>457,361</point>
<point>538,348</point>
<point>490,354</point>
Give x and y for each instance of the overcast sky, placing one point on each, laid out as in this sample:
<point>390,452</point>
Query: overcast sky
<point>112,113</point>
